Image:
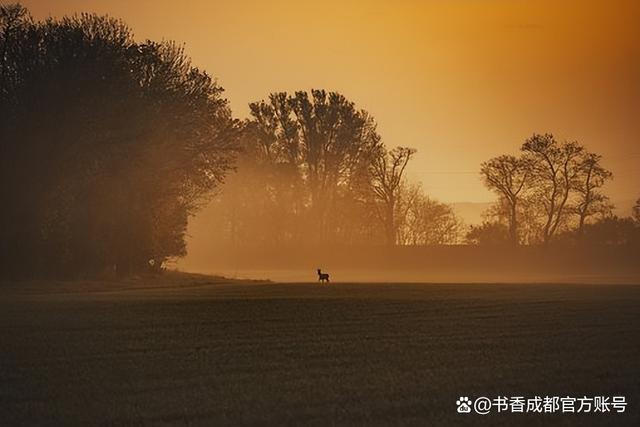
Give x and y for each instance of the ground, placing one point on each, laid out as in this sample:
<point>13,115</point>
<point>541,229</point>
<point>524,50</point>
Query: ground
<point>194,350</point>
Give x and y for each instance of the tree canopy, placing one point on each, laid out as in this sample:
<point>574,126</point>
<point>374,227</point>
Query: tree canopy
<point>108,145</point>
<point>314,171</point>
<point>552,188</point>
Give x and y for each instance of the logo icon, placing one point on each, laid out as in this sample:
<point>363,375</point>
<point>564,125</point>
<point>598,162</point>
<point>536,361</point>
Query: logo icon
<point>464,405</point>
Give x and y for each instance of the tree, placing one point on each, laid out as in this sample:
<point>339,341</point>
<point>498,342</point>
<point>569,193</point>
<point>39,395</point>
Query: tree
<point>555,167</point>
<point>508,176</point>
<point>636,211</point>
<point>327,144</point>
<point>113,144</point>
<point>429,222</point>
<point>591,177</point>
<point>387,172</point>
<point>548,190</point>
<point>262,200</point>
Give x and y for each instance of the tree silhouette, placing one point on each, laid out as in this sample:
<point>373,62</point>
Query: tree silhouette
<point>429,222</point>
<point>550,189</point>
<point>313,170</point>
<point>387,171</point>
<point>555,168</point>
<point>323,141</point>
<point>113,143</point>
<point>508,176</point>
<point>591,201</point>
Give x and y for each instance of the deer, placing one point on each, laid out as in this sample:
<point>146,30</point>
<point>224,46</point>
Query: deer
<point>323,277</point>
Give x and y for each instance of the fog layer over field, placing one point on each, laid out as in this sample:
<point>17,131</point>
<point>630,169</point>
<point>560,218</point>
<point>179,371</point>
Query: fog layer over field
<point>441,264</point>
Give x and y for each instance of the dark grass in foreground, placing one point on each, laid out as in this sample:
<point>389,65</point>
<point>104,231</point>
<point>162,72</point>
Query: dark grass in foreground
<point>201,351</point>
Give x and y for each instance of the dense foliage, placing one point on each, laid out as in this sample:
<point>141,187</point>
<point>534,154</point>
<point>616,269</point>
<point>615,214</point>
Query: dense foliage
<point>108,145</point>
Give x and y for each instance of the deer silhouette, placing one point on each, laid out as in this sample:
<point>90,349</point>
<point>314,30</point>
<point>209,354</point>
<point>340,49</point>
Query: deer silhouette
<point>323,277</point>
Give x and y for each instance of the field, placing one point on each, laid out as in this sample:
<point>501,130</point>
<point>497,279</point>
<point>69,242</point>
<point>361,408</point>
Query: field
<point>194,350</point>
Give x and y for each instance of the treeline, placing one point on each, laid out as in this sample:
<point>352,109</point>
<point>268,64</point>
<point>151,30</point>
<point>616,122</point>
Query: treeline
<point>108,145</point>
<point>314,170</point>
<point>552,193</point>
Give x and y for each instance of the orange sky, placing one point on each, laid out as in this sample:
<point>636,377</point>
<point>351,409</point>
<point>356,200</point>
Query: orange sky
<point>460,80</point>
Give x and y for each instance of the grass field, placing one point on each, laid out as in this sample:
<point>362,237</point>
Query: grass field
<point>192,350</point>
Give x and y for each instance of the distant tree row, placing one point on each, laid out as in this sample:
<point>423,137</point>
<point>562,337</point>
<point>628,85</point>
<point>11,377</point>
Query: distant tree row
<point>107,146</point>
<point>313,170</point>
<point>552,192</point>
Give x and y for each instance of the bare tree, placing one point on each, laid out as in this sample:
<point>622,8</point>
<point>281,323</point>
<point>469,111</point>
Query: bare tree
<point>555,168</point>
<point>636,211</point>
<point>508,176</point>
<point>592,176</point>
<point>430,222</point>
<point>387,172</point>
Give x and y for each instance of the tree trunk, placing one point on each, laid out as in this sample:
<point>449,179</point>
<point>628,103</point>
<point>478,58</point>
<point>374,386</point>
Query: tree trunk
<point>513,225</point>
<point>390,225</point>
<point>581,223</point>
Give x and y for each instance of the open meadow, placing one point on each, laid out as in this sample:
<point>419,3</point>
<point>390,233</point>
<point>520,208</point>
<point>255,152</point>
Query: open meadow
<point>196,350</point>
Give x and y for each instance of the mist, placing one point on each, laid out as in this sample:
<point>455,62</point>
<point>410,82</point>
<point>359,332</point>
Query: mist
<point>295,205</point>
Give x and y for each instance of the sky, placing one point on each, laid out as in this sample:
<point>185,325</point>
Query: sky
<point>459,80</point>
